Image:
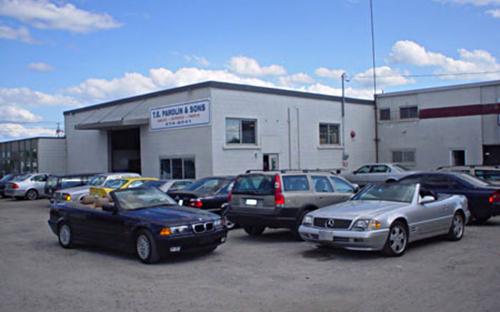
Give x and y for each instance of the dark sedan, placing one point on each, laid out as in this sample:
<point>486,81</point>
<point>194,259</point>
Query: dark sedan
<point>483,198</point>
<point>208,193</point>
<point>141,220</point>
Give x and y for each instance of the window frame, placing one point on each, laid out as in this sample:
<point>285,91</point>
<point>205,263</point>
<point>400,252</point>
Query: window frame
<point>386,109</point>
<point>240,131</point>
<point>404,160</point>
<point>183,159</point>
<point>329,124</point>
<point>407,108</point>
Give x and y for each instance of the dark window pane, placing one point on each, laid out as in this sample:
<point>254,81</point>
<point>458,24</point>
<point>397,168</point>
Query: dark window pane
<point>177,168</point>
<point>329,134</point>
<point>385,114</point>
<point>248,131</point>
<point>189,169</point>
<point>233,131</point>
<point>295,183</point>
<point>165,170</point>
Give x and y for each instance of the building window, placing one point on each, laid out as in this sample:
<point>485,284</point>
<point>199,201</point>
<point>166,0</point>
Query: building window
<point>241,131</point>
<point>403,156</point>
<point>409,112</point>
<point>385,114</point>
<point>458,158</point>
<point>177,168</point>
<point>329,134</point>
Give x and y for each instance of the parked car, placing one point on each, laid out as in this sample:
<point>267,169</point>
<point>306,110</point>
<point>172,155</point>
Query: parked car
<point>59,182</point>
<point>387,217</point>
<point>484,198</point>
<point>281,199</point>
<point>490,174</point>
<point>3,182</point>
<point>169,185</point>
<point>141,220</point>
<point>77,193</point>
<point>377,173</point>
<point>118,184</point>
<point>30,186</point>
<point>207,193</point>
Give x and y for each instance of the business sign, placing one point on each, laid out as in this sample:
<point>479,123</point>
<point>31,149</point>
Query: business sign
<point>180,115</point>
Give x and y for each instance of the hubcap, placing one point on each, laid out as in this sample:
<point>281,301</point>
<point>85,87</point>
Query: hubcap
<point>143,247</point>
<point>458,226</point>
<point>65,235</point>
<point>31,195</point>
<point>397,239</point>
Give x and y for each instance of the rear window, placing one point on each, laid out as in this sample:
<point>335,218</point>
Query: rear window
<point>295,183</point>
<point>254,184</point>
<point>490,175</point>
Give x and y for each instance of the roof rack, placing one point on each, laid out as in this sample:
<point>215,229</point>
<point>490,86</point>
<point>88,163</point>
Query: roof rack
<point>331,170</point>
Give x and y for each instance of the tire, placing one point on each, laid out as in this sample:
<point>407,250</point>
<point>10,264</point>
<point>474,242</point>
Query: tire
<point>254,230</point>
<point>295,229</point>
<point>230,225</point>
<point>397,240</point>
<point>457,228</point>
<point>65,235</point>
<point>146,248</point>
<point>482,220</point>
<point>32,195</point>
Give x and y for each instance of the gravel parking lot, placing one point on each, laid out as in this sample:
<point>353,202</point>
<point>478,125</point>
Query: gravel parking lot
<point>270,273</point>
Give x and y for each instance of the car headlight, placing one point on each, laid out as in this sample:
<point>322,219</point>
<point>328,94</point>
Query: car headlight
<point>179,229</point>
<point>66,197</point>
<point>218,222</point>
<point>366,224</point>
<point>308,220</point>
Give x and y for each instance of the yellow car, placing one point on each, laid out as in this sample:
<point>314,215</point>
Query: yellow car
<point>122,183</point>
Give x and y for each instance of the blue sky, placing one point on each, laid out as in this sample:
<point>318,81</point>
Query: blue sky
<point>58,55</point>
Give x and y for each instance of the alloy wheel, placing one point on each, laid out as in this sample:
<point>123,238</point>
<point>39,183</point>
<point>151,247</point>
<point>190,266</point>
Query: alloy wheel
<point>398,239</point>
<point>143,247</point>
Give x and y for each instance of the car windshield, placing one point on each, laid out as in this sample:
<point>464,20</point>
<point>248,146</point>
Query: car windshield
<point>114,184</point>
<point>387,192</point>
<point>97,180</point>
<point>472,180</point>
<point>153,183</point>
<point>137,198</point>
<point>206,185</point>
<point>256,184</point>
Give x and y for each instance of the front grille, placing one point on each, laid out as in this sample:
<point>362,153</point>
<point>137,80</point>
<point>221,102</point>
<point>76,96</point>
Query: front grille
<point>337,223</point>
<point>203,227</point>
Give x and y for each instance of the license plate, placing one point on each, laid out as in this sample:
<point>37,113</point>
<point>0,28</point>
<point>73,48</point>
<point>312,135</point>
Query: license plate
<point>325,236</point>
<point>251,202</point>
<point>180,202</point>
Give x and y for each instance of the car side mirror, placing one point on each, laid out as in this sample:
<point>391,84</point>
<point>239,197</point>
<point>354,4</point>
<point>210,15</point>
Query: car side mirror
<point>427,199</point>
<point>356,188</point>
<point>110,208</point>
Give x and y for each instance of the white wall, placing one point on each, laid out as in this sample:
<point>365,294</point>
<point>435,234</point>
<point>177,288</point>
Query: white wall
<point>52,155</point>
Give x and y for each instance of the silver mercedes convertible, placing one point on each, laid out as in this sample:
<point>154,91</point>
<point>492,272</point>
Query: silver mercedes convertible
<point>387,218</point>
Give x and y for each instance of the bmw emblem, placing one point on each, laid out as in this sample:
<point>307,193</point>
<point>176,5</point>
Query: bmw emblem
<point>330,223</point>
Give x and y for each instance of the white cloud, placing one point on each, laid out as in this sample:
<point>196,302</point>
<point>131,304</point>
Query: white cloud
<point>41,67</point>
<point>17,114</point>
<point>472,2</point>
<point>295,79</point>
<point>329,73</point>
<point>476,61</point>
<point>21,34</point>
<point>198,60</point>
<point>47,15</point>
<point>27,97</point>
<point>14,130</point>
<point>247,66</point>
<point>494,13</point>
<point>386,77</point>
<point>362,93</point>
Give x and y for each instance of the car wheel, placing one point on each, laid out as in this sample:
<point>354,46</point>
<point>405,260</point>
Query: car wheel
<point>397,240</point>
<point>146,248</point>
<point>230,225</point>
<point>481,220</point>
<point>295,229</point>
<point>457,228</point>
<point>32,195</point>
<point>65,236</point>
<point>254,230</point>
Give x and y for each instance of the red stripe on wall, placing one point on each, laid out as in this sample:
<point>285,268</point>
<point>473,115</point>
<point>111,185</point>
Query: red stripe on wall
<point>458,111</point>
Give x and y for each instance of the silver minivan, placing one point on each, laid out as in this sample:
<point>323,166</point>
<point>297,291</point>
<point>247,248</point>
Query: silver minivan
<point>30,186</point>
<point>280,199</point>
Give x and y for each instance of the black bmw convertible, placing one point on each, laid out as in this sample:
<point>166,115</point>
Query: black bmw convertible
<point>141,220</point>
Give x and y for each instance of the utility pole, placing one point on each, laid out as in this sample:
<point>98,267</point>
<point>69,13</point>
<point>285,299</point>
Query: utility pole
<point>374,79</point>
<point>345,156</point>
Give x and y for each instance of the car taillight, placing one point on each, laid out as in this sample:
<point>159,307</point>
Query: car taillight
<point>15,186</point>
<point>229,196</point>
<point>279,199</point>
<point>494,198</point>
<point>196,203</point>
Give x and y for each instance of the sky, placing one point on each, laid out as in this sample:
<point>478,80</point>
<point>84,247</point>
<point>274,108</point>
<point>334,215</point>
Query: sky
<point>58,55</point>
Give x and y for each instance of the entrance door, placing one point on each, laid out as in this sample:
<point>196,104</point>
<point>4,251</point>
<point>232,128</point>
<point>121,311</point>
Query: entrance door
<point>125,150</point>
<point>458,158</point>
<point>491,155</point>
<point>270,162</point>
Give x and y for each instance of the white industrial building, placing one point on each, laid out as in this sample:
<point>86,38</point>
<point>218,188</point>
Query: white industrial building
<point>215,128</point>
<point>433,127</point>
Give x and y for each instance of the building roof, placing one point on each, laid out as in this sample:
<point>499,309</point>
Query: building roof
<point>438,89</point>
<point>34,138</point>
<point>225,86</point>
